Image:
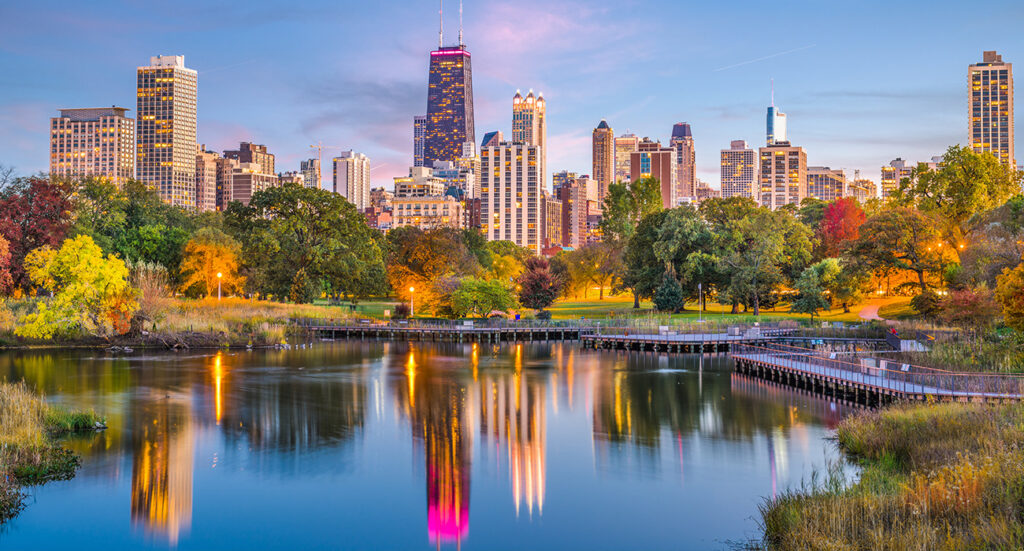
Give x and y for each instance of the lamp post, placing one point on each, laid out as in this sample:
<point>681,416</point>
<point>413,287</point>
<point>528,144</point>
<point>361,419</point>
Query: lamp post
<point>219,276</point>
<point>412,302</point>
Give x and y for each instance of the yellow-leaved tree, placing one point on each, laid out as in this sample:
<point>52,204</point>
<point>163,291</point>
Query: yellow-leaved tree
<point>209,253</point>
<point>90,292</point>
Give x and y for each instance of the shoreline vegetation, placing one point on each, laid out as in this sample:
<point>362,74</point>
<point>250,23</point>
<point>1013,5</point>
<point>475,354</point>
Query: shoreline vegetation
<point>933,477</point>
<point>30,454</point>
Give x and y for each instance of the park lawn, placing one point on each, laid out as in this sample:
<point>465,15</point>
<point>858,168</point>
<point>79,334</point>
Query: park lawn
<point>898,308</point>
<point>622,306</point>
<point>367,307</point>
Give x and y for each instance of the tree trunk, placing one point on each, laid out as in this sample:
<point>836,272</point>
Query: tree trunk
<point>636,300</point>
<point>920,278</point>
<point>735,307</point>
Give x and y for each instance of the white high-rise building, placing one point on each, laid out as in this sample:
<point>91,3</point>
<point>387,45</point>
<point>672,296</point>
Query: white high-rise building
<point>352,178</point>
<point>166,129</point>
<point>739,170</point>
<point>530,126</point>
<point>510,194</point>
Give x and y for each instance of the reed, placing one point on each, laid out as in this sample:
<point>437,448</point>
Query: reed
<point>28,454</point>
<point>934,476</point>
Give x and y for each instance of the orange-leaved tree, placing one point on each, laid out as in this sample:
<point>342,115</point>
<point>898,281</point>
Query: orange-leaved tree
<point>209,253</point>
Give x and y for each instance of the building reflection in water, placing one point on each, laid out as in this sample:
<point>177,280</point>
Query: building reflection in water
<point>513,416</point>
<point>162,463</point>
<point>435,403</point>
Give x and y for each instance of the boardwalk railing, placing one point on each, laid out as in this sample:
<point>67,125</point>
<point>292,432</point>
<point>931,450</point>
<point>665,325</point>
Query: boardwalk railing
<point>905,378</point>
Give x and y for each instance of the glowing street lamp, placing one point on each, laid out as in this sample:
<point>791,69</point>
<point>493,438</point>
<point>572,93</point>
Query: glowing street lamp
<point>219,276</point>
<point>412,302</point>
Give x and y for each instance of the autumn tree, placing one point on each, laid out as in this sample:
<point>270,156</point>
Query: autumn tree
<point>423,259</point>
<point>6,281</point>
<point>902,239</point>
<point>211,259</point>
<point>538,287</point>
<point>594,264</point>
<point>840,224</point>
<point>995,243</point>
<point>34,213</point>
<point>90,291</point>
<point>1010,295</point>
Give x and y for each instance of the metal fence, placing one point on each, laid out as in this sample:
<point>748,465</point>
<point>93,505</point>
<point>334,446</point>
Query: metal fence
<point>902,377</point>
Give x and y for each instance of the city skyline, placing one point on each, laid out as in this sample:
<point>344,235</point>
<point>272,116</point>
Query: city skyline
<point>846,121</point>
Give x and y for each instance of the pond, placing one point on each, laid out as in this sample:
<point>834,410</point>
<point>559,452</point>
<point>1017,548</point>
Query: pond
<point>378,445</point>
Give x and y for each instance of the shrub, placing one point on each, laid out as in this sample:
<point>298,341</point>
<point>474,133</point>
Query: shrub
<point>928,304</point>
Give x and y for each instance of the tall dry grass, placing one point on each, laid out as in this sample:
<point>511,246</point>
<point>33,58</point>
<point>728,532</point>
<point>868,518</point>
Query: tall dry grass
<point>935,476</point>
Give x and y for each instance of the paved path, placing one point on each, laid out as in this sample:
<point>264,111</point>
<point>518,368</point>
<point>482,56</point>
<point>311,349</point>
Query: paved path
<point>870,312</point>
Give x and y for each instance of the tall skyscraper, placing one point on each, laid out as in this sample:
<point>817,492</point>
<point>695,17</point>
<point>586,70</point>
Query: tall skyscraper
<point>739,170</point>
<point>625,145</point>
<point>686,160</point>
<point>562,178</point>
<point>311,175</point>
<point>776,123</point>
<point>990,89</point>
<point>253,153</point>
<point>352,178</point>
<point>510,194</point>
<point>419,134</point>
<point>603,158</point>
<point>530,127</point>
<point>651,159</point>
<point>206,179</point>
<point>93,142</point>
<point>166,129</point>
<point>449,104</point>
<point>825,183</point>
<point>783,175</point>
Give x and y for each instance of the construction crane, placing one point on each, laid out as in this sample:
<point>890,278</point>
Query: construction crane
<point>320,147</point>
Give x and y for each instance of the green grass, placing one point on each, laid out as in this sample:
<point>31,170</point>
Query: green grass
<point>59,420</point>
<point>934,476</point>
<point>622,306</point>
<point>898,309</point>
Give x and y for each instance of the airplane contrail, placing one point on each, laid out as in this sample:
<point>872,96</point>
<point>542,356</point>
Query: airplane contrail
<point>763,58</point>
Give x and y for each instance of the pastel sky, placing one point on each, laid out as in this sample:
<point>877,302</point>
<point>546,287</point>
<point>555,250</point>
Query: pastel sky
<point>862,82</point>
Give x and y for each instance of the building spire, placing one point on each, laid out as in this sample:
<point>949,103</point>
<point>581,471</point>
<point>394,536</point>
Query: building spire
<point>773,92</point>
<point>440,23</point>
<point>460,22</point>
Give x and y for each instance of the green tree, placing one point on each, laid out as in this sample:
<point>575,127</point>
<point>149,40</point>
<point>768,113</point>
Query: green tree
<point>642,271</point>
<point>811,289</point>
<point>594,264</point>
<point>625,204</point>
<point>90,292</point>
<point>419,258</point>
<point>965,184</point>
<point>995,243</point>
<point>762,252</point>
<point>669,296</point>
<point>292,228</point>
<point>481,297</point>
<point>683,239</point>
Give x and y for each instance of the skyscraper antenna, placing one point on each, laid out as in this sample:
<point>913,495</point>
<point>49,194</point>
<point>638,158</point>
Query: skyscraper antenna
<point>773,92</point>
<point>460,22</point>
<point>440,23</point>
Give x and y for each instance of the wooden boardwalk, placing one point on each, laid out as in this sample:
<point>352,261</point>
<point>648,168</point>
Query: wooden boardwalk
<point>870,383</point>
<point>449,332</point>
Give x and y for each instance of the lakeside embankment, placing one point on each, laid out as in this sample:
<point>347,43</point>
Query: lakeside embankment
<point>29,450</point>
<point>934,476</point>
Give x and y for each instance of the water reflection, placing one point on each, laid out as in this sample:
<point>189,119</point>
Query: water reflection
<point>224,424</point>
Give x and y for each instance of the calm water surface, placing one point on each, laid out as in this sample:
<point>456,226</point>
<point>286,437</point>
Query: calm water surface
<point>410,446</point>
